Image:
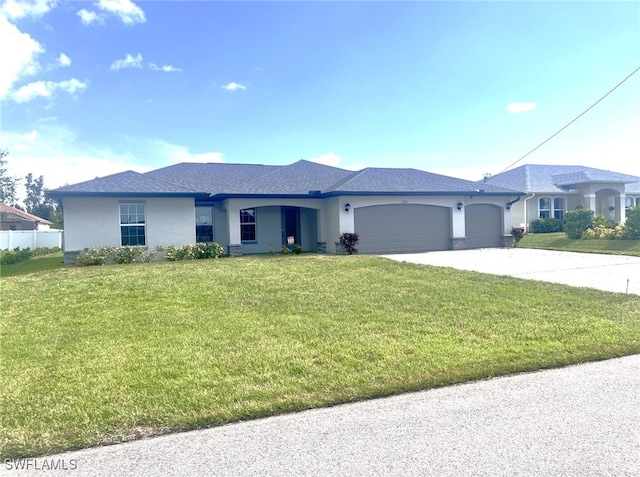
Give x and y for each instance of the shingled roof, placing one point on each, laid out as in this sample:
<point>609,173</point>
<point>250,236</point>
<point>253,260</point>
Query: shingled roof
<point>300,178</point>
<point>9,213</point>
<point>550,178</point>
<point>376,180</point>
<point>128,182</point>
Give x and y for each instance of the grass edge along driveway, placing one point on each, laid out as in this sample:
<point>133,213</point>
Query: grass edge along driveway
<point>107,354</point>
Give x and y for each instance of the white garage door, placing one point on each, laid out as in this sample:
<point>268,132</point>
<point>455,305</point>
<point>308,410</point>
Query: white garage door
<point>483,225</point>
<point>402,228</point>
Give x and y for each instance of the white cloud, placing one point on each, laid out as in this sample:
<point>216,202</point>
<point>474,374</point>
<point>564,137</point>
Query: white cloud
<point>165,68</point>
<point>172,153</point>
<point>128,11</point>
<point>46,89</point>
<point>22,60</point>
<point>64,60</point>
<point>30,136</point>
<point>521,107</point>
<point>128,62</point>
<point>233,87</point>
<point>88,18</point>
<point>328,159</point>
<point>15,9</point>
<point>57,154</point>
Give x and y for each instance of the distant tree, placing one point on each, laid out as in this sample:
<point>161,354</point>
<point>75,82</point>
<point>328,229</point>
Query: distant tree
<point>38,204</point>
<point>8,184</point>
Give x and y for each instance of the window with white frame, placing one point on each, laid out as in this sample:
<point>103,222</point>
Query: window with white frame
<point>558,207</point>
<point>133,224</point>
<point>248,225</point>
<point>544,208</point>
<point>204,224</point>
<point>628,202</point>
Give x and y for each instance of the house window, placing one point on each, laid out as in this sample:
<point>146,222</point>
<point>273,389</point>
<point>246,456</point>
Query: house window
<point>544,208</point>
<point>628,202</point>
<point>132,224</point>
<point>558,208</point>
<point>204,224</point>
<point>248,225</point>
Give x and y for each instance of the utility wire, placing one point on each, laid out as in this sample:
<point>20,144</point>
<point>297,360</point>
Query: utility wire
<point>572,121</point>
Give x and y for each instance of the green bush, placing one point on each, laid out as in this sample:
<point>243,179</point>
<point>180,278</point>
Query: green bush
<point>9,257</point>
<point>297,249</point>
<point>632,223</point>
<point>349,242</point>
<point>546,226</point>
<point>285,250</point>
<point>126,254</point>
<point>91,257</point>
<point>198,251</point>
<point>603,232</point>
<point>577,221</point>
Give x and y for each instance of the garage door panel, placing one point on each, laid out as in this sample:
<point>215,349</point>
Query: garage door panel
<point>402,228</point>
<point>483,225</point>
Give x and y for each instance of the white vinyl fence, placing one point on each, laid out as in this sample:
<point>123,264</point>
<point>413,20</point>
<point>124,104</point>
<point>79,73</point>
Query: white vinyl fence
<point>10,239</point>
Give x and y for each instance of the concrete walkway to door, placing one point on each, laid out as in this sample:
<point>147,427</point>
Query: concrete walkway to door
<point>615,273</point>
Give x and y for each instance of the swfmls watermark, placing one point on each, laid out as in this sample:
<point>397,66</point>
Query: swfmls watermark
<point>40,464</point>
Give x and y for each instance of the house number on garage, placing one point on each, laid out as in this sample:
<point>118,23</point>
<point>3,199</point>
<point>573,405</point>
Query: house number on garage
<point>405,202</point>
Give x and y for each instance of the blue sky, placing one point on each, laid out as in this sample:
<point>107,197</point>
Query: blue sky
<point>459,88</point>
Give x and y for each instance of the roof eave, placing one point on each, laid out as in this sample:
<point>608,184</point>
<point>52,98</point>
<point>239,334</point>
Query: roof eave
<point>62,194</point>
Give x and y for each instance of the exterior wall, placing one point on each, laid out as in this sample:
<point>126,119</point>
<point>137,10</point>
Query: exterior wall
<point>170,221</point>
<point>220,226</point>
<point>269,223</point>
<point>95,221</point>
<point>268,231</point>
<point>309,230</point>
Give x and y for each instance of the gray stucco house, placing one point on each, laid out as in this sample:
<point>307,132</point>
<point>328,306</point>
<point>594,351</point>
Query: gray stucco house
<point>553,190</point>
<point>252,208</point>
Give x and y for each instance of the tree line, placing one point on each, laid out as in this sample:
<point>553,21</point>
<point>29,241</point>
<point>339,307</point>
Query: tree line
<point>35,201</point>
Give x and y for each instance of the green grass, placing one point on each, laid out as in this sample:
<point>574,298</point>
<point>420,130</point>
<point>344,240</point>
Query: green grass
<point>107,354</point>
<point>33,265</point>
<point>559,241</point>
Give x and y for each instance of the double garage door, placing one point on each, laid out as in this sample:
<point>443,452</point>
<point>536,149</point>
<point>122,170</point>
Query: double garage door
<point>409,228</point>
<point>403,228</point>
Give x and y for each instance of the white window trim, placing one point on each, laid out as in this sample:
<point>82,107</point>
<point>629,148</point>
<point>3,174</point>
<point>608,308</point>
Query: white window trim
<point>136,203</point>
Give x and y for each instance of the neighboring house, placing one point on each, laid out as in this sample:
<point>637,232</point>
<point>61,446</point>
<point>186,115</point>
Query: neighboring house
<point>254,208</point>
<point>553,190</point>
<point>16,219</point>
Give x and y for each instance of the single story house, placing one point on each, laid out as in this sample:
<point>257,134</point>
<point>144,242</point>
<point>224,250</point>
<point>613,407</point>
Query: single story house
<point>553,190</point>
<point>16,219</point>
<point>251,208</point>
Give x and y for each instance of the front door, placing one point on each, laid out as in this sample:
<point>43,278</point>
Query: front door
<point>290,226</point>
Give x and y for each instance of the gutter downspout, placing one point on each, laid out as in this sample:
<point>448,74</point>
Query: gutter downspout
<point>509,204</point>
<point>526,221</point>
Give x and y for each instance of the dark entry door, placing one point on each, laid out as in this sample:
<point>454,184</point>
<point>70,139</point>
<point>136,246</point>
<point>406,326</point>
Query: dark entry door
<point>290,225</point>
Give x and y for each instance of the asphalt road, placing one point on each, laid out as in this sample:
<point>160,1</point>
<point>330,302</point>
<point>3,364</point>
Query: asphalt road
<point>576,421</point>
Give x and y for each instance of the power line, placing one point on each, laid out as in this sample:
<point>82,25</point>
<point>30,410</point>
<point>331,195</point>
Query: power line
<point>572,121</point>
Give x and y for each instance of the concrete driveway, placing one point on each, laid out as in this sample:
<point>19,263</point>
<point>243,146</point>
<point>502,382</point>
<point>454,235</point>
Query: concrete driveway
<point>615,273</point>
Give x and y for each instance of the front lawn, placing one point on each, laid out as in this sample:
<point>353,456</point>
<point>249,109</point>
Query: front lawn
<point>105,354</point>
<point>559,241</point>
<point>32,265</point>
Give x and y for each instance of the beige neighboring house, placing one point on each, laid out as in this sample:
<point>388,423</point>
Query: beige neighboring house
<point>16,219</point>
<point>550,191</point>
